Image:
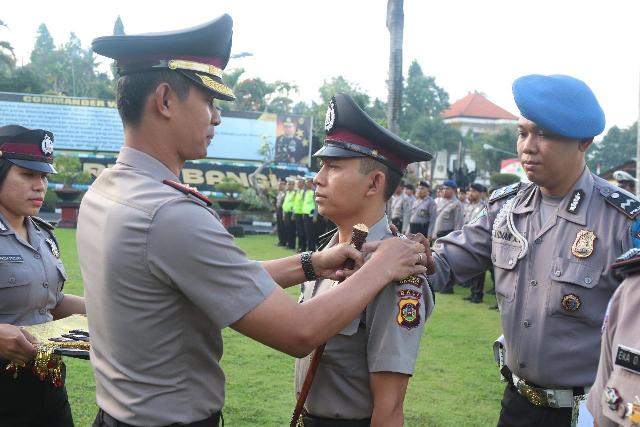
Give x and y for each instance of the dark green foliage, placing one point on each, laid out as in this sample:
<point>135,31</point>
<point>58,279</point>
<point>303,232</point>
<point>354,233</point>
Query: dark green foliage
<point>501,179</point>
<point>617,147</point>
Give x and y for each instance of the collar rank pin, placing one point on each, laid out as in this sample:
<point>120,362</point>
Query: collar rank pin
<point>575,202</point>
<point>54,248</point>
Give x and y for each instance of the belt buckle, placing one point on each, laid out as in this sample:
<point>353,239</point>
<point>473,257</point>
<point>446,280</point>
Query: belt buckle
<point>533,394</point>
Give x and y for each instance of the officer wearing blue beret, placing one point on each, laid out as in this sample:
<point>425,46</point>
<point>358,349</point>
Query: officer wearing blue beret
<point>162,275</point>
<point>551,242</point>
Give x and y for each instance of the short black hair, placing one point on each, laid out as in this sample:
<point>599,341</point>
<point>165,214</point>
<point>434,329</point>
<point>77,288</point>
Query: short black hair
<point>391,178</point>
<point>134,89</point>
<point>5,166</point>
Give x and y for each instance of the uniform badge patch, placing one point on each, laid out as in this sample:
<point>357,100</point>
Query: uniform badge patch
<point>583,245</point>
<point>54,248</point>
<point>409,308</point>
<point>11,259</point>
<point>628,358</point>
<point>571,303</point>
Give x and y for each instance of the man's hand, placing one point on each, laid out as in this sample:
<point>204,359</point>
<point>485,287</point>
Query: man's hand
<point>16,344</point>
<point>397,257</point>
<point>427,260</point>
<point>329,263</point>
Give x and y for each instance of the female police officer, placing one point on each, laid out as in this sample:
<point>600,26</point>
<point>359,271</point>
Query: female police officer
<point>31,280</point>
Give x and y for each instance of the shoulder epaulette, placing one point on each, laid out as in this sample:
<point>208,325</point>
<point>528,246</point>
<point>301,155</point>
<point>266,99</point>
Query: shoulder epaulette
<point>187,190</point>
<point>629,262</point>
<point>324,239</point>
<point>625,203</point>
<point>503,192</point>
<point>42,223</point>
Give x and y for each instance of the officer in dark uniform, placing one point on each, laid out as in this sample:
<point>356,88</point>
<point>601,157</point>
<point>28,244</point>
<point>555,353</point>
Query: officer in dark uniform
<point>31,281</point>
<point>288,145</point>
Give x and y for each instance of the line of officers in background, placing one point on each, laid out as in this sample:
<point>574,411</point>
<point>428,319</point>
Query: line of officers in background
<point>297,221</point>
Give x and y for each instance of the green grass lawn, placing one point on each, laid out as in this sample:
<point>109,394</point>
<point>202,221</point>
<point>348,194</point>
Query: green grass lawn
<point>455,384</point>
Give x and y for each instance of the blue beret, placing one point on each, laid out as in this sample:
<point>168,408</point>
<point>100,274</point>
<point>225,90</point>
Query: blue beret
<point>450,183</point>
<point>560,104</point>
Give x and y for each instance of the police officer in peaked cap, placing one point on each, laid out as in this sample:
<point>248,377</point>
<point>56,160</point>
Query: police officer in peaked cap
<point>362,376</point>
<point>31,280</point>
<point>162,275</point>
<point>551,243</point>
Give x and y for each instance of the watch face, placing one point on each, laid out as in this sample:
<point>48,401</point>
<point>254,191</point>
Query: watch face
<point>330,118</point>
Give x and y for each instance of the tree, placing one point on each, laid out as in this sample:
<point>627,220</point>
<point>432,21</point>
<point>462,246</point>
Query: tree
<point>503,143</point>
<point>423,97</point>
<point>7,55</point>
<point>395,25</point>
<point>615,148</point>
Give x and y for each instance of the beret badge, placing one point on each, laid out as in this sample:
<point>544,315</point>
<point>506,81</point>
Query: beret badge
<point>330,118</point>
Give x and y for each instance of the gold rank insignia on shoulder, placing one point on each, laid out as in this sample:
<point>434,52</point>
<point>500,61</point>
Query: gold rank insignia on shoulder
<point>409,308</point>
<point>54,248</point>
<point>583,245</point>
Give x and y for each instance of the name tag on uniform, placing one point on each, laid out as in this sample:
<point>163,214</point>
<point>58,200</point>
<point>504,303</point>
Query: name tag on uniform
<point>628,358</point>
<point>8,259</point>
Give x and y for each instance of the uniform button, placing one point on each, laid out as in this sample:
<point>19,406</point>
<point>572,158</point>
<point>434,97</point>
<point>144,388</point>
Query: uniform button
<point>587,280</point>
<point>522,365</point>
<point>533,283</point>
<point>538,241</point>
<point>37,256</point>
<point>526,324</point>
<point>558,273</point>
<point>493,257</point>
<point>510,262</point>
<point>45,285</point>
<point>12,280</point>
<point>42,311</point>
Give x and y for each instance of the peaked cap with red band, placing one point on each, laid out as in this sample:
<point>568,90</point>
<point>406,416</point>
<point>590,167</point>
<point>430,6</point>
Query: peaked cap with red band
<point>27,148</point>
<point>352,133</point>
<point>198,53</point>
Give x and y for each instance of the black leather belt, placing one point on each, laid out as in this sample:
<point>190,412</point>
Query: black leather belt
<point>311,421</point>
<point>212,421</point>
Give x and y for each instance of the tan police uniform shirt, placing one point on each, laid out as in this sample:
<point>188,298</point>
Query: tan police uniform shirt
<point>162,278</point>
<point>384,338</point>
<point>619,357</point>
<point>551,301</point>
<point>31,275</point>
<point>450,216</point>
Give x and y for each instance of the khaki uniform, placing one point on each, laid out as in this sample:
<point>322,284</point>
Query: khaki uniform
<point>379,340</point>
<point>162,279</point>
<point>450,216</point>
<point>31,275</point>
<point>619,359</point>
<point>552,301</point>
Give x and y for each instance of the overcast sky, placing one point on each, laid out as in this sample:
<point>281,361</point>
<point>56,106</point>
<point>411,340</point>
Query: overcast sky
<point>466,45</point>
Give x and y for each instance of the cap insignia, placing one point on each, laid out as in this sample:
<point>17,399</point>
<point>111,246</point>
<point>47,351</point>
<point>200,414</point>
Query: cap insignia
<point>214,85</point>
<point>47,145</point>
<point>175,64</point>
<point>330,118</point>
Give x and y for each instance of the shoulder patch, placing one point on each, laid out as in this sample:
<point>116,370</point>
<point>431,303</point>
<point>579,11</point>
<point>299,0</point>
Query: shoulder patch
<point>503,192</point>
<point>628,205</point>
<point>187,190</point>
<point>42,223</point>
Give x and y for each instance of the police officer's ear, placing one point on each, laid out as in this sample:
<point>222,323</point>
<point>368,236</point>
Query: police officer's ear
<point>377,181</point>
<point>583,144</point>
<point>162,99</point>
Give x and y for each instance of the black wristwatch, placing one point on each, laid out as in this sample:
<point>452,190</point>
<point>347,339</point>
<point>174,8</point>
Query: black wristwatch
<point>307,267</point>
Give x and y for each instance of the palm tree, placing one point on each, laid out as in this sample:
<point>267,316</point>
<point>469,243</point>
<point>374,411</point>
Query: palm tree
<point>7,55</point>
<point>395,25</point>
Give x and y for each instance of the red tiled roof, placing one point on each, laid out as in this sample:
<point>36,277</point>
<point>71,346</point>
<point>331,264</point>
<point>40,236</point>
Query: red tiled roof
<point>476,105</point>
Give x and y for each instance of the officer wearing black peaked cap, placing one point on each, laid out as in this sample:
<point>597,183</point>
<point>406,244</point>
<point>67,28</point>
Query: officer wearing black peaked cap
<point>162,275</point>
<point>362,377</point>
